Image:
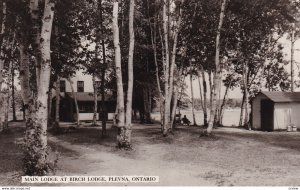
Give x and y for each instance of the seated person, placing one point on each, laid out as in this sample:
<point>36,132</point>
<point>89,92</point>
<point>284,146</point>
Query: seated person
<point>186,120</point>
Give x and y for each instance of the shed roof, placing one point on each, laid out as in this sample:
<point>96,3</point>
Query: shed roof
<point>88,96</point>
<point>283,96</point>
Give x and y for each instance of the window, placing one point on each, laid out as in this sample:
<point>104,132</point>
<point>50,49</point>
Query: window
<point>80,86</point>
<point>85,107</point>
<point>62,86</point>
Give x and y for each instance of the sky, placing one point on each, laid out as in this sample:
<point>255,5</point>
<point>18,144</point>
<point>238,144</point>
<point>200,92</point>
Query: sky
<point>236,93</point>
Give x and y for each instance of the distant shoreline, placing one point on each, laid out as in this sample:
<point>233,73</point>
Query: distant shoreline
<point>200,111</point>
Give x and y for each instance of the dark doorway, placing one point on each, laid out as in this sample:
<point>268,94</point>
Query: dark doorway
<point>267,115</point>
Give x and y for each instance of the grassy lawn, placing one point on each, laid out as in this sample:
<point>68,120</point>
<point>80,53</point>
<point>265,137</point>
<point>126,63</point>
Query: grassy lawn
<point>233,157</point>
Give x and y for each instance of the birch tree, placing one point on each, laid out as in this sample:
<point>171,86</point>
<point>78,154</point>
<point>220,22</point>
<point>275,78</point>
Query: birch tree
<point>3,19</point>
<point>124,118</point>
<point>192,97</point>
<point>121,138</point>
<point>36,161</point>
<point>218,72</point>
<point>130,74</point>
<point>169,64</point>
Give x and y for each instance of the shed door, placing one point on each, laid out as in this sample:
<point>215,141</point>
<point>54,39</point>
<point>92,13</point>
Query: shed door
<point>267,115</point>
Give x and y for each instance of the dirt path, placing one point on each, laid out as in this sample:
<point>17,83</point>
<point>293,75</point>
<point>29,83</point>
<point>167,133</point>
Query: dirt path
<point>233,157</point>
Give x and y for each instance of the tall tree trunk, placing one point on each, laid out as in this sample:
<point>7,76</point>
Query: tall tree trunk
<point>128,119</point>
<point>217,114</point>
<point>44,81</point>
<point>174,106</point>
<point>211,89</point>
<point>36,36</point>
<point>292,56</point>
<point>104,111</point>
<point>180,96</point>
<point>169,65</point>
<point>204,98</point>
<point>180,77</point>
<point>28,106</point>
<point>4,114</point>
<point>202,95</point>
<point>167,101</point>
<point>57,102</point>
<point>36,155</point>
<point>121,138</point>
<point>242,110</point>
<point>193,101</point>
<point>3,20</point>
<point>95,101</point>
<point>13,93</point>
<point>245,65</point>
<point>75,101</point>
<point>103,70</point>
<point>30,160</point>
<point>217,76</point>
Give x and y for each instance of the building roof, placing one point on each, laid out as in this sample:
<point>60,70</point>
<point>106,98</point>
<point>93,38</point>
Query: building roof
<point>88,96</point>
<point>283,96</point>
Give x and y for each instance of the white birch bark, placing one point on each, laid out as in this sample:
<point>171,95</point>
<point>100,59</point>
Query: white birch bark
<point>292,56</point>
<point>130,74</point>
<point>242,110</point>
<point>167,101</point>
<point>36,34</point>
<point>120,93</point>
<point>2,44</point>
<point>44,81</point>
<point>217,76</point>
<point>192,95</point>
<point>3,6</point>
<point>180,77</point>
<point>35,161</point>
<point>246,104</point>
<point>169,65</point>
<point>204,97</point>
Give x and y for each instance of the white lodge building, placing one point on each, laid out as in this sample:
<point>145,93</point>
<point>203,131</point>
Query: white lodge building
<point>84,93</point>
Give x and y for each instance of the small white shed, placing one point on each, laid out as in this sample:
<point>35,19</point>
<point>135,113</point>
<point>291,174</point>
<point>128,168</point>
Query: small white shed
<point>275,110</point>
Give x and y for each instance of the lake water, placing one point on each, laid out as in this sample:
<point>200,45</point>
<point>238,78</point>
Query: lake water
<point>230,118</point>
